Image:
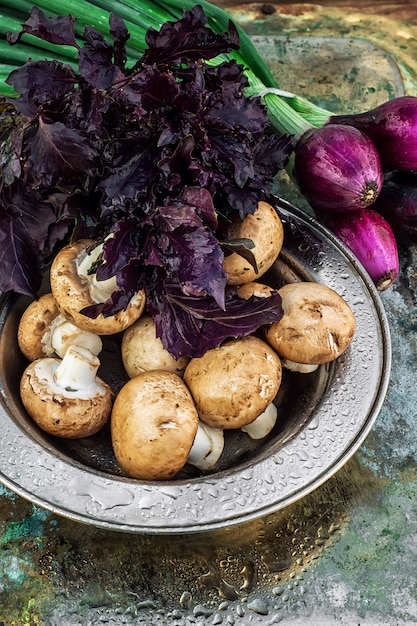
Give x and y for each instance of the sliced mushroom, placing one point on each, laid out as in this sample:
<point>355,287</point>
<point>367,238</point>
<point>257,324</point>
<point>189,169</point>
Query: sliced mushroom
<point>142,350</point>
<point>75,287</point>
<point>44,331</point>
<point>65,397</point>
<point>264,228</point>
<point>234,383</point>
<point>153,425</point>
<point>317,325</point>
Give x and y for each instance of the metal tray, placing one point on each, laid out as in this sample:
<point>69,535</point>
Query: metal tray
<point>325,417</point>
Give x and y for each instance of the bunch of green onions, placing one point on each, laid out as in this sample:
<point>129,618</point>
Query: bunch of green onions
<point>288,113</point>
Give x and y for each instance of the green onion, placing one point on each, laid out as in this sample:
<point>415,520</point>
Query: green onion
<point>20,53</point>
<point>288,113</point>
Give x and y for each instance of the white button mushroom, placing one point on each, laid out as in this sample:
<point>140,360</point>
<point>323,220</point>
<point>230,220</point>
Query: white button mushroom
<point>234,383</point>
<point>44,331</point>
<point>154,422</point>
<point>317,325</point>
<point>264,228</point>
<point>75,290</point>
<point>142,350</point>
<point>65,397</point>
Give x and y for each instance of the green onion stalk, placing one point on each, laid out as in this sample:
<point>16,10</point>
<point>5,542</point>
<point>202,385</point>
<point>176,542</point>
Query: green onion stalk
<point>288,113</point>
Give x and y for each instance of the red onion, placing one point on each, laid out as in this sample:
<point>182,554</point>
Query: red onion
<point>397,203</point>
<point>371,239</point>
<point>337,168</point>
<point>392,126</point>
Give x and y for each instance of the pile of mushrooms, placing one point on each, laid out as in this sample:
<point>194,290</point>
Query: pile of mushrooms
<point>171,412</point>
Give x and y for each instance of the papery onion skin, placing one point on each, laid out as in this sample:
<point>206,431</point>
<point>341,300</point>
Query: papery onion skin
<point>397,203</point>
<point>371,239</point>
<point>337,168</point>
<point>392,126</point>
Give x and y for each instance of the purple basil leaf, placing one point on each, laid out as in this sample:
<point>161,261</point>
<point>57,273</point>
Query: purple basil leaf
<point>120,249</point>
<point>243,248</point>
<point>150,88</point>
<point>271,154</point>
<point>221,76</point>
<point>130,183</point>
<point>42,81</point>
<point>188,39</point>
<point>57,30</point>
<point>202,200</point>
<point>176,166</point>
<point>59,156</point>
<point>241,200</point>
<point>130,280</point>
<point>230,109</point>
<point>11,136</point>
<point>19,260</point>
<point>234,153</point>
<point>192,254</point>
<point>120,35</point>
<point>24,233</point>
<point>189,325</point>
<point>96,60</point>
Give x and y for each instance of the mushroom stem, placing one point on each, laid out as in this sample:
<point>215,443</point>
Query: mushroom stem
<point>100,290</point>
<point>207,447</point>
<point>77,370</point>
<point>64,334</point>
<point>263,424</point>
<point>302,368</point>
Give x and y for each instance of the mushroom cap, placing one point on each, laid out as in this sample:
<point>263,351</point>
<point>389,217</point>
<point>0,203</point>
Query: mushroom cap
<point>60,412</point>
<point>254,288</point>
<point>153,425</point>
<point>266,231</point>
<point>33,325</point>
<point>72,294</point>
<point>316,327</point>
<point>234,383</point>
<point>142,350</point>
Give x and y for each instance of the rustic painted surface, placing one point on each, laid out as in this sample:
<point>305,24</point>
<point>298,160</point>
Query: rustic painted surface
<point>345,554</point>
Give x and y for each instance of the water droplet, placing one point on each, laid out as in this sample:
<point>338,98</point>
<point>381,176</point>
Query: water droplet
<point>100,493</point>
<point>202,611</point>
<point>258,606</point>
<point>186,599</point>
<point>249,576</point>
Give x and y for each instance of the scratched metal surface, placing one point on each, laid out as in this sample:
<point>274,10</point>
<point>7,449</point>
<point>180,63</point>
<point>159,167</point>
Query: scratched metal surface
<point>344,554</point>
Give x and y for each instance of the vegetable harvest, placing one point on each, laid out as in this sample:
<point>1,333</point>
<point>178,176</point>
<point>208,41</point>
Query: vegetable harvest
<point>152,163</point>
<point>288,114</point>
<point>137,153</point>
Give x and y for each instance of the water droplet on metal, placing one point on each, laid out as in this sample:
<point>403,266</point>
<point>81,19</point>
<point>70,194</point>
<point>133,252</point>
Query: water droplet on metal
<point>186,599</point>
<point>258,606</point>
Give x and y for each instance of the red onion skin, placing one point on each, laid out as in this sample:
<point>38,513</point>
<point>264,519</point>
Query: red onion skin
<point>337,168</point>
<point>392,126</point>
<point>397,203</point>
<point>371,239</point>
